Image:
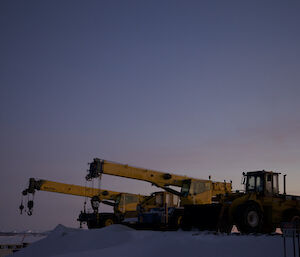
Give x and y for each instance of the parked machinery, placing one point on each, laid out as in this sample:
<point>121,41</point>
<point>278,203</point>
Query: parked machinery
<point>259,209</point>
<point>203,204</point>
<point>124,204</point>
<point>193,191</point>
<point>160,210</point>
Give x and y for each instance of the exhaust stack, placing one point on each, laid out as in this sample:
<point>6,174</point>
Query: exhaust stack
<point>284,184</point>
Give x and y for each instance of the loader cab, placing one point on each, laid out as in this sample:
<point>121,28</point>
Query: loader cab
<point>264,182</point>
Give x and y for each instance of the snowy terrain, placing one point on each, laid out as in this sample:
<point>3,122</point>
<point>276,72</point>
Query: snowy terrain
<point>20,239</point>
<point>118,240</point>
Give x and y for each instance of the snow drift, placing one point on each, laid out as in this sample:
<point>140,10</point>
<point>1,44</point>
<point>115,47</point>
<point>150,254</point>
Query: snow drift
<point>118,240</point>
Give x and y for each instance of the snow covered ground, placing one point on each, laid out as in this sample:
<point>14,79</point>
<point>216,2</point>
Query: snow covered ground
<point>121,241</point>
<point>19,239</point>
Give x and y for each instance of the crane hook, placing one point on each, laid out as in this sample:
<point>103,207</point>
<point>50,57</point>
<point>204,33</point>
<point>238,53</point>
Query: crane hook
<point>30,207</point>
<point>21,207</point>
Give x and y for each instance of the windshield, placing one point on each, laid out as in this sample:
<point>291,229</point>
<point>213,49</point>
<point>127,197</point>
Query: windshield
<point>118,200</point>
<point>185,188</point>
<point>198,187</point>
<point>127,199</point>
<point>254,183</point>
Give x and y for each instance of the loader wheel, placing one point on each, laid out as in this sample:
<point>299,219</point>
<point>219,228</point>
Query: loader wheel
<point>296,222</point>
<point>108,222</point>
<point>292,217</point>
<point>250,219</point>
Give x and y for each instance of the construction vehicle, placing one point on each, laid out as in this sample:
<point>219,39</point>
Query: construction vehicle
<point>259,209</point>
<point>193,191</point>
<point>124,204</point>
<point>161,210</point>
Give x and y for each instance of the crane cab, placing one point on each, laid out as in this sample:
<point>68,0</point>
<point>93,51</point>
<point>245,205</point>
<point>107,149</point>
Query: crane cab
<point>159,210</point>
<point>264,182</point>
<point>126,203</point>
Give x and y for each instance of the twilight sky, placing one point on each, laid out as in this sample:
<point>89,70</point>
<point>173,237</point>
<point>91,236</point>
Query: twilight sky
<point>196,88</point>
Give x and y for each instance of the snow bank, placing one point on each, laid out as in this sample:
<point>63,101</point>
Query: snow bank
<point>118,240</point>
<point>19,239</point>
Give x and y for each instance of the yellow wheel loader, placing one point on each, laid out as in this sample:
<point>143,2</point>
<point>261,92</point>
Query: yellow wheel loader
<point>259,209</point>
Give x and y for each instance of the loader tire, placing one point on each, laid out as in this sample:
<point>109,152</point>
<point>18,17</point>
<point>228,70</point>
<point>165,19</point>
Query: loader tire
<point>250,219</point>
<point>296,222</point>
<point>291,216</point>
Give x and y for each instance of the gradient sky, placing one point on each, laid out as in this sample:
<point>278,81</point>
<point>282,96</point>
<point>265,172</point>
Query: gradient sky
<point>192,87</point>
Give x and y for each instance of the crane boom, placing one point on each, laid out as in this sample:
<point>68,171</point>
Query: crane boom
<point>192,190</point>
<point>122,202</point>
<point>69,189</point>
<point>160,179</point>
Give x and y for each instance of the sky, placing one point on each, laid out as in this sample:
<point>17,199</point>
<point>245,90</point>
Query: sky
<point>196,88</point>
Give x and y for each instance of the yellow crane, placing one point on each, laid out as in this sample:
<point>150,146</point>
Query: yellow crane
<point>124,204</point>
<point>162,208</point>
<point>193,191</point>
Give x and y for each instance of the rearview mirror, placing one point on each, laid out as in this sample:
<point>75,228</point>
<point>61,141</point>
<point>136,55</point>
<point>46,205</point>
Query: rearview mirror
<point>243,180</point>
